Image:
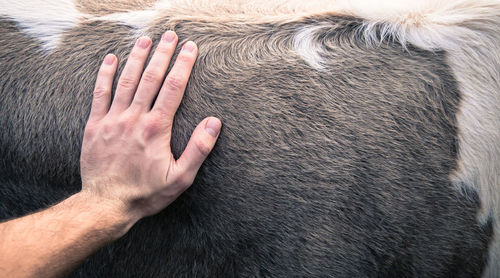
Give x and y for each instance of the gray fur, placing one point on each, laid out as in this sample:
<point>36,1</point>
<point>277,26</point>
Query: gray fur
<point>342,173</point>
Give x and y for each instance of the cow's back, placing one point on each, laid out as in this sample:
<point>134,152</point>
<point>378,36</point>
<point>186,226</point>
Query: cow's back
<point>335,159</point>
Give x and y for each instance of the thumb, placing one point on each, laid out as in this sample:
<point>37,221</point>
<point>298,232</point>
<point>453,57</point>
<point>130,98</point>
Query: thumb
<point>200,145</point>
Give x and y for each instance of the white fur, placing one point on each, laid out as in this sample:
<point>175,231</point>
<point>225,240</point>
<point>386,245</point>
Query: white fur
<point>162,4</point>
<point>47,20</point>
<point>44,20</point>
<point>306,44</point>
<point>138,19</point>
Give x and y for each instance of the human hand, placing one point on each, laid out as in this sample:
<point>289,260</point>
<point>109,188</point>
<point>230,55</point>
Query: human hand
<point>126,158</point>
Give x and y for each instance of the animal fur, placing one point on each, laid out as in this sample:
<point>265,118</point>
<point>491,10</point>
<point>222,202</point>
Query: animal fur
<point>360,139</point>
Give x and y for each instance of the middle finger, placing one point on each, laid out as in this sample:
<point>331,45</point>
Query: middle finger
<point>155,72</point>
<point>130,76</point>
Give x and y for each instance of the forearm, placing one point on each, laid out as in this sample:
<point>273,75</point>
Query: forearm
<point>52,242</point>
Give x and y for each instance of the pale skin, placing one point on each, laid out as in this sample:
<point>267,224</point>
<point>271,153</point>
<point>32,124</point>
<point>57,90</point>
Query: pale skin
<point>127,167</point>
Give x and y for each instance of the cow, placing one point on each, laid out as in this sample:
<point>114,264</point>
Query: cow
<point>360,139</point>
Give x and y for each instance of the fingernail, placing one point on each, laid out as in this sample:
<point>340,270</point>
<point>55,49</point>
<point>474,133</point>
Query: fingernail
<point>213,126</point>
<point>169,36</point>
<point>189,46</point>
<point>144,42</point>
<point>109,59</point>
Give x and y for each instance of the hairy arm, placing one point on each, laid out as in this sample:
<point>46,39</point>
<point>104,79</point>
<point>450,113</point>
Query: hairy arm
<point>52,242</point>
<point>127,168</point>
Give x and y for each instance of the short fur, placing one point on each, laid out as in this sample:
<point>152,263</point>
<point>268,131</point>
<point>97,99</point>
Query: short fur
<point>343,171</point>
<point>105,7</point>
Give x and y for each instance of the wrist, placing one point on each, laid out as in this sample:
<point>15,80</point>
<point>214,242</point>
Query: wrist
<point>110,217</point>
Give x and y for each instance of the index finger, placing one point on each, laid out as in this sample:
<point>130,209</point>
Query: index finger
<point>171,93</point>
<point>102,89</point>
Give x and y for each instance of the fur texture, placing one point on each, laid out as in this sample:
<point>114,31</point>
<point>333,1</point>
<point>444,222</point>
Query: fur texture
<point>347,134</point>
<point>45,20</point>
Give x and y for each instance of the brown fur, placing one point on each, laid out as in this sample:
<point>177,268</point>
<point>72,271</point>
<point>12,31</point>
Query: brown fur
<point>342,172</point>
<point>100,7</point>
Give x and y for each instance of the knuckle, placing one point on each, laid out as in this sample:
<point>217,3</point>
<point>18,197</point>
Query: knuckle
<point>126,82</point>
<point>203,147</point>
<point>108,130</point>
<point>151,127</point>
<point>116,126</point>
<point>163,49</point>
<point>90,131</point>
<point>99,92</point>
<point>174,83</point>
<point>136,56</point>
<point>164,116</point>
<point>152,76</point>
<point>160,111</point>
<point>127,119</point>
<point>184,57</point>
